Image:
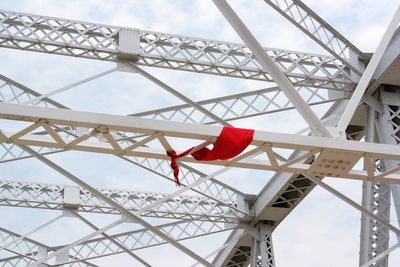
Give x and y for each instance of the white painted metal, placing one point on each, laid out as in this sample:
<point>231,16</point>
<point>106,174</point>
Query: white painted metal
<point>188,207</point>
<point>367,197</point>
<point>99,122</point>
<point>266,248</point>
<point>98,41</point>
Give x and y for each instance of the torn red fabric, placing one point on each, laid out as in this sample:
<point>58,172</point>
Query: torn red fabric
<point>230,143</point>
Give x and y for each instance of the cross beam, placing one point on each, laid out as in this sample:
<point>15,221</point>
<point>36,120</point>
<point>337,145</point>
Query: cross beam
<point>54,197</point>
<point>335,158</point>
<point>155,49</point>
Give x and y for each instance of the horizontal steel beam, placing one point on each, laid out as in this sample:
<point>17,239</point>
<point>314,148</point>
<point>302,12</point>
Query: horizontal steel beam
<point>103,42</point>
<point>335,158</point>
<point>54,197</point>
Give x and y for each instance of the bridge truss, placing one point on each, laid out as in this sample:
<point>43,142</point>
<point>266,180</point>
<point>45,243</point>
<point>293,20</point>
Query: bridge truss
<point>361,128</point>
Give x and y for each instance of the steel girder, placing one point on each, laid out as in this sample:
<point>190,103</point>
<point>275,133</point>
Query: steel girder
<point>338,152</point>
<point>387,128</point>
<point>96,41</point>
<point>53,196</point>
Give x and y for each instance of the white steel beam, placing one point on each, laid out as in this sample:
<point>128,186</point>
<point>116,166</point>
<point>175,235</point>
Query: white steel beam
<point>270,66</point>
<point>374,237</point>
<point>97,41</point>
<point>24,194</point>
<point>369,72</point>
<point>320,147</point>
<point>367,196</point>
<point>266,247</point>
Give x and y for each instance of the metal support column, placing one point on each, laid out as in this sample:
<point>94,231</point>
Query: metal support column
<point>389,132</point>
<point>376,196</point>
<point>262,253</point>
<point>266,249</point>
<point>374,237</point>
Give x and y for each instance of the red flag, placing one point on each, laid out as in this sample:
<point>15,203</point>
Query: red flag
<point>230,143</point>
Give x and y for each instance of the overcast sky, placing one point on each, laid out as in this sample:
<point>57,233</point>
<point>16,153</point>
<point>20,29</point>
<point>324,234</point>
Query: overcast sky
<point>321,231</point>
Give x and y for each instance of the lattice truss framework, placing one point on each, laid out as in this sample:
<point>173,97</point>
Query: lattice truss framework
<point>143,138</point>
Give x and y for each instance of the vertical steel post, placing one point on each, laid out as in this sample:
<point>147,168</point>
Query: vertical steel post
<point>367,196</point>
<point>389,133</point>
<point>262,253</point>
<point>255,252</point>
<point>374,237</point>
<point>266,248</point>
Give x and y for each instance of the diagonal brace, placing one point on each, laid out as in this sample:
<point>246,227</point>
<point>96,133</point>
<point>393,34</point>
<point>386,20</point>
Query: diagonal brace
<point>269,65</point>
